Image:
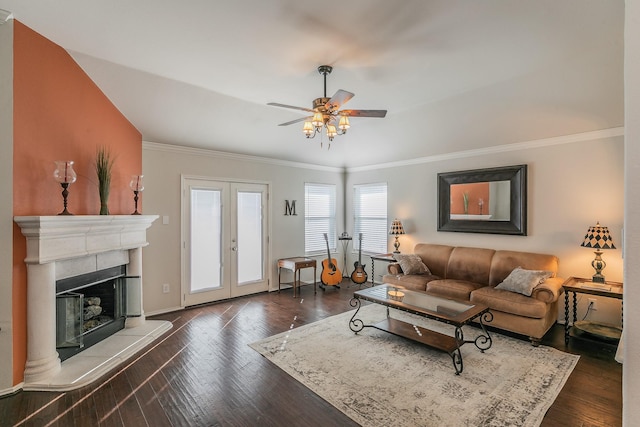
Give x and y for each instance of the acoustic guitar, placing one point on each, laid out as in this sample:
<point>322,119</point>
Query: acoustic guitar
<point>359,274</point>
<point>331,275</point>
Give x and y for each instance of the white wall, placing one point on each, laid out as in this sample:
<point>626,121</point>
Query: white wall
<point>162,168</point>
<point>6,208</point>
<point>630,377</point>
<point>571,185</point>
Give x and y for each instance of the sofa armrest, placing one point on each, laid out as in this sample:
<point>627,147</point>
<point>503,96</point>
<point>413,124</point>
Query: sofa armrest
<point>394,268</point>
<point>549,290</point>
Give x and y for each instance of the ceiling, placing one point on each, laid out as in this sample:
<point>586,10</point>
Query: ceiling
<point>453,75</point>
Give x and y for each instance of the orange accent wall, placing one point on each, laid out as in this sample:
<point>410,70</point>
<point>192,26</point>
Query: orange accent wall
<point>60,114</point>
<point>476,191</point>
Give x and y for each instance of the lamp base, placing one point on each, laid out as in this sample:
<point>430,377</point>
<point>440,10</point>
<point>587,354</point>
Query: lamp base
<point>598,265</point>
<point>396,245</point>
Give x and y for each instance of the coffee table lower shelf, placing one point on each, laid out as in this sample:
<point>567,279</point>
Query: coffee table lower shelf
<point>424,336</point>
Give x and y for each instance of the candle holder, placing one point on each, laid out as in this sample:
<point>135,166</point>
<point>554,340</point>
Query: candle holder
<point>65,175</point>
<point>137,186</point>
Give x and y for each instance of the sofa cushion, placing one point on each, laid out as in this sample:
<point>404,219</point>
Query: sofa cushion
<point>414,281</point>
<point>523,281</point>
<point>510,302</point>
<point>470,264</point>
<point>411,264</point>
<point>436,257</point>
<point>449,288</point>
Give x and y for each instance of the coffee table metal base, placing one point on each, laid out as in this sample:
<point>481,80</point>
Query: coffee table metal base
<point>450,345</point>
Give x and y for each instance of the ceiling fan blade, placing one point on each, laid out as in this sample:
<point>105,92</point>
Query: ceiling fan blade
<point>295,121</point>
<point>340,98</point>
<point>363,113</point>
<point>275,104</point>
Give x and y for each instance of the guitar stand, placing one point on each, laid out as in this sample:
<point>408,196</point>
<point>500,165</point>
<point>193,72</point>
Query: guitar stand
<point>351,282</point>
<point>323,286</point>
<point>345,239</point>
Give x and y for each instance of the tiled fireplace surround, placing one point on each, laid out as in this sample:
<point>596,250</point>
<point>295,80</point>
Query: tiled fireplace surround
<point>64,246</point>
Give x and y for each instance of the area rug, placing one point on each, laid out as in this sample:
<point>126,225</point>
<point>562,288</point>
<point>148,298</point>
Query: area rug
<point>378,379</point>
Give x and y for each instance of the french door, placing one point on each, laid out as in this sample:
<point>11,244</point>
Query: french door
<point>225,239</point>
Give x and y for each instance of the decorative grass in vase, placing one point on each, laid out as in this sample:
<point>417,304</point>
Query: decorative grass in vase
<point>465,201</point>
<point>104,165</point>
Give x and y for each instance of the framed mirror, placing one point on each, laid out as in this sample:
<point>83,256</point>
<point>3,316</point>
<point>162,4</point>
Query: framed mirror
<point>490,201</point>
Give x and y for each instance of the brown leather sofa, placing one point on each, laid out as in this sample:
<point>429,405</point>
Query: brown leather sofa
<point>471,274</point>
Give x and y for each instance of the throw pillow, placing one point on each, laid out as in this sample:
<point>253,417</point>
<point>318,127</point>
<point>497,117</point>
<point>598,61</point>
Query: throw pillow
<point>523,281</point>
<point>411,264</point>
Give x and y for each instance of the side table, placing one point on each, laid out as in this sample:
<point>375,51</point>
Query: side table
<point>295,264</point>
<point>577,285</point>
<point>380,257</point>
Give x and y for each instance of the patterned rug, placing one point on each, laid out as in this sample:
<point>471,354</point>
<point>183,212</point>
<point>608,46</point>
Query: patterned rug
<point>378,379</point>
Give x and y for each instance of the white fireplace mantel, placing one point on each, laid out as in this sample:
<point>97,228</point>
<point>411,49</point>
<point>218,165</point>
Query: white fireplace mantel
<point>54,243</point>
<point>55,238</point>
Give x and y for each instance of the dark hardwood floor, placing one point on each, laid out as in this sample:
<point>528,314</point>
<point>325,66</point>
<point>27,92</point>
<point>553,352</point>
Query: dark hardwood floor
<point>203,373</point>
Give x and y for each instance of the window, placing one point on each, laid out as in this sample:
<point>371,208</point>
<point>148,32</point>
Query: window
<point>319,217</point>
<point>370,217</point>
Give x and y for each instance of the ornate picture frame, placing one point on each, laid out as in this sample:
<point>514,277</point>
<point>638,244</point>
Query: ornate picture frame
<point>506,192</point>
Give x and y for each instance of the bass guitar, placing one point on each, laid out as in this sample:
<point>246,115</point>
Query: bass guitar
<point>359,274</point>
<point>331,275</point>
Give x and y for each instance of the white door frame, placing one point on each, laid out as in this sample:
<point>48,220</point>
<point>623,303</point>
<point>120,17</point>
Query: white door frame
<point>185,232</point>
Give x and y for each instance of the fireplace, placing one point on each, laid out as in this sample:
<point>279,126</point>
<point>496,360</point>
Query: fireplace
<point>89,308</point>
<point>70,260</point>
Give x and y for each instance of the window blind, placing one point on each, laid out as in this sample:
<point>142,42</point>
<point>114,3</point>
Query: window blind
<point>319,217</point>
<point>370,217</point>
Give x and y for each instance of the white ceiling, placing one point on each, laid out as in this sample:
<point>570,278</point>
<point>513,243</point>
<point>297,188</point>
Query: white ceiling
<point>454,75</point>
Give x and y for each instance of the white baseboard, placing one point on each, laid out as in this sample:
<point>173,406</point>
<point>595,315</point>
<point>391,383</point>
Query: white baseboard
<point>162,311</point>
<point>11,390</point>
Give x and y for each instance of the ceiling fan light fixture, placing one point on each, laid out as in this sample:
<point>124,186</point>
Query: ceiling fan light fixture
<point>331,132</point>
<point>308,129</point>
<point>326,112</point>
<point>344,124</point>
<point>318,120</point>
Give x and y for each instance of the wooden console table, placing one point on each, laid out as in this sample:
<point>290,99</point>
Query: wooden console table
<point>295,264</point>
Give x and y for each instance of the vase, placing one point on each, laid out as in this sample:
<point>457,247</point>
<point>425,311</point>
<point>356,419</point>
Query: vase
<point>103,190</point>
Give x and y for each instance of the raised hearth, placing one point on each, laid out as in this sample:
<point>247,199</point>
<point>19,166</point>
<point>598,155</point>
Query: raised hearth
<point>59,247</point>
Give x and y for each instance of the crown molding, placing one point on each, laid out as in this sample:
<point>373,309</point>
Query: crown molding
<point>202,152</point>
<point>5,15</point>
<point>496,149</point>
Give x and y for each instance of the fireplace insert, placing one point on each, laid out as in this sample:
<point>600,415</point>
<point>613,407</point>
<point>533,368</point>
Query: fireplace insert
<point>91,307</point>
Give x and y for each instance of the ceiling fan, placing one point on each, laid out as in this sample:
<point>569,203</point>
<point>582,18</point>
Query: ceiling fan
<point>326,112</point>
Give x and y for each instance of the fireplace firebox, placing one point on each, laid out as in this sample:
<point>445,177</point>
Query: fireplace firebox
<point>91,307</point>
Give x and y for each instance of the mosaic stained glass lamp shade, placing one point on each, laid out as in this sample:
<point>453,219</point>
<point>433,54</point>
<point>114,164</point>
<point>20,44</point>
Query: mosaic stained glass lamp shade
<point>396,230</point>
<point>598,237</point>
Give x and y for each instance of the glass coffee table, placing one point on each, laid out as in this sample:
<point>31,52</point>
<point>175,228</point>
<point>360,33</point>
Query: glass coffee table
<point>449,311</point>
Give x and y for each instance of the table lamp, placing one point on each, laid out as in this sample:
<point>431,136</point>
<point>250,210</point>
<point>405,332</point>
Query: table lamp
<point>396,230</point>
<point>598,237</point>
